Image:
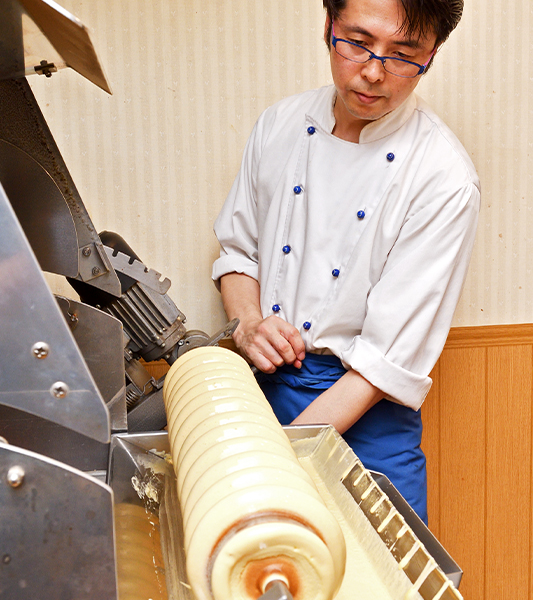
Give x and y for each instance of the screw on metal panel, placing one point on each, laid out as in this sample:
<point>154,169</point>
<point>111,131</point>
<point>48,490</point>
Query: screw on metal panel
<point>86,251</point>
<point>6,559</point>
<point>96,271</point>
<point>40,350</point>
<point>15,476</point>
<point>59,389</point>
<point>45,68</point>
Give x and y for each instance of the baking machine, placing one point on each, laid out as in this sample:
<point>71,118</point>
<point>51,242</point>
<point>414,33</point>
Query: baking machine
<point>79,413</point>
<point>72,371</point>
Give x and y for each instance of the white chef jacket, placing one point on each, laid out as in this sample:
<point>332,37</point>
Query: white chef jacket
<point>362,247</point>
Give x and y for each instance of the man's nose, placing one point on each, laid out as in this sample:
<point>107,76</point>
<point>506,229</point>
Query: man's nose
<point>373,70</point>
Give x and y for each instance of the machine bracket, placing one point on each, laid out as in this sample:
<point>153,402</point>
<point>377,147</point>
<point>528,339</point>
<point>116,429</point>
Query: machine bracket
<point>137,270</point>
<point>45,68</point>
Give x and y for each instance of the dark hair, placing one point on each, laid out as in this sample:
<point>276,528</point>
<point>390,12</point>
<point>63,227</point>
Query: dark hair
<point>422,17</point>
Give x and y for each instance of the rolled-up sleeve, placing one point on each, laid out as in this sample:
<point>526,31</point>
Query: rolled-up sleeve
<point>411,307</point>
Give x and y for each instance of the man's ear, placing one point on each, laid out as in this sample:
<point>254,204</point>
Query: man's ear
<point>327,30</point>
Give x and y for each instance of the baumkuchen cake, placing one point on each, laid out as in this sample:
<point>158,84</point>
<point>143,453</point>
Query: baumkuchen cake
<point>251,513</point>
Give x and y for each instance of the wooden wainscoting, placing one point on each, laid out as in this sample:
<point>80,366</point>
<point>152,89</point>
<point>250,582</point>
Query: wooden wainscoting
<point>478,442</point>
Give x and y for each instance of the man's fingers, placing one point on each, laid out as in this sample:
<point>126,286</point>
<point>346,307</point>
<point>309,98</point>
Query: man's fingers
<point>271,343</point>
<point>297,344</point>
<point>263,364</point>
<point>267,350</point>
<point>293,348</point>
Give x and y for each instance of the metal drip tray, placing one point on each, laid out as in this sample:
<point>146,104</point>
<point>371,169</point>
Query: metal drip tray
<point>403,556</point>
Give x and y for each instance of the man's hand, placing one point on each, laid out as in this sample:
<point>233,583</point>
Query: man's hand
<point>268,343</point>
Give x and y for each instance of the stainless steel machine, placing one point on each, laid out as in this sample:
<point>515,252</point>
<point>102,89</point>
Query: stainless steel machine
<point>71,371</point>
<point>76,401</point>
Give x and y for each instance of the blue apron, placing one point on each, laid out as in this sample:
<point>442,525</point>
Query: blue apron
<point>386,438</point>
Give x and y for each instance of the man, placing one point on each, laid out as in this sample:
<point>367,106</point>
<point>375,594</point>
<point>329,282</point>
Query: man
<point>346,238</point>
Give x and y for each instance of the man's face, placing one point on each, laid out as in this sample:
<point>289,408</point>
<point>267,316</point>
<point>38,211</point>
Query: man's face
<point>365,91</point>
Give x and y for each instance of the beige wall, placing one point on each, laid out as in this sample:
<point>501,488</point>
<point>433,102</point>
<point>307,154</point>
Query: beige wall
<point>155,160</point>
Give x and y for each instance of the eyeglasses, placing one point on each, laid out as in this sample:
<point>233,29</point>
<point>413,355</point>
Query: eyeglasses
<point>359,54</point>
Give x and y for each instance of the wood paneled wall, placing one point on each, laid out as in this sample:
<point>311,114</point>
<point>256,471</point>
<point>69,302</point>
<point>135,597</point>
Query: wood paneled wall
<point>478,442</point>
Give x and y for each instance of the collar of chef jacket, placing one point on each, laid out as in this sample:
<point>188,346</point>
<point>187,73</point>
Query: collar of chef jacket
<point>375,130</point>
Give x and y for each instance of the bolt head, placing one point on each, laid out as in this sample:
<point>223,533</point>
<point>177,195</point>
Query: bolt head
<point>59,389</point>
<point>86,251</point>
<point>40,350</point>
<point>15,476</point>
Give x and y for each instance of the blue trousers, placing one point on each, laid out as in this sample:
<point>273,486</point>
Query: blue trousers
<point>386,439</point>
